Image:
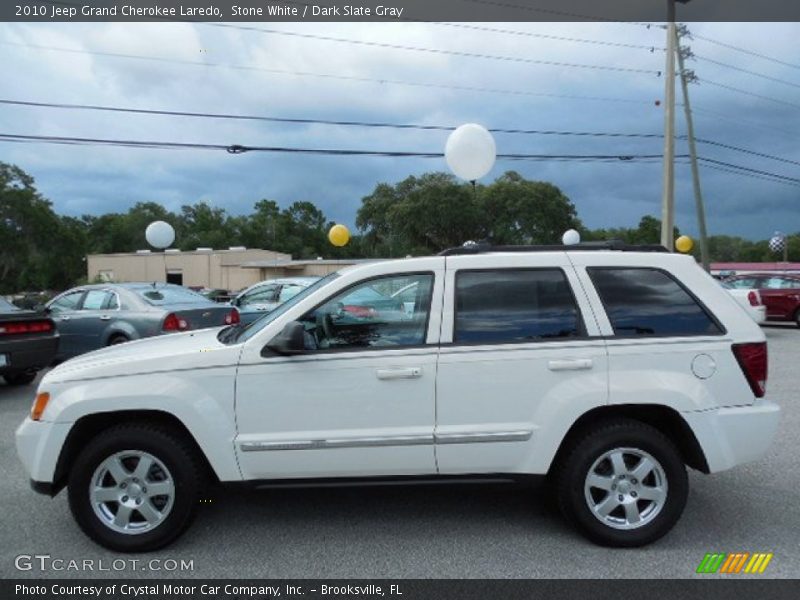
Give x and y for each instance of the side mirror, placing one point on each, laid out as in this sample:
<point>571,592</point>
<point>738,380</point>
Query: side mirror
<point>289,341</point>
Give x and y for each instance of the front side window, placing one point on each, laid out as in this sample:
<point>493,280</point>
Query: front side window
<point>266,294</point>
<point>66,302</point>
<point>368,315</point>
<point>743,283</point>
<point>289,290</point>
<point>514,305</point>
<point>642,302</point>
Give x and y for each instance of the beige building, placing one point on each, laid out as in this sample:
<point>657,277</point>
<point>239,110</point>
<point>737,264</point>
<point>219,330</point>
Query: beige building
<point>232,269</point>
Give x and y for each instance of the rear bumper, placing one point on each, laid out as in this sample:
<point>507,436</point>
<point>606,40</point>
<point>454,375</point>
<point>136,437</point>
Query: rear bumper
<point>28,354</point>
<point>735,435</point>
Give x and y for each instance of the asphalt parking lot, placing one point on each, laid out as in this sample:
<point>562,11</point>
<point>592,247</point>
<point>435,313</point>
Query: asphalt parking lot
<point>462,531</point>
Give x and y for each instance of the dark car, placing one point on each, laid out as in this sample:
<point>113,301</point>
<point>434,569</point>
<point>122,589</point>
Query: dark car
<point>93,316</point>
<point>28,343</point>
<point>780,293</point>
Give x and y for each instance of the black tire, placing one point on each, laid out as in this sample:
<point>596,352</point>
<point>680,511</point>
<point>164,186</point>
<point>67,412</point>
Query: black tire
<point>23,378</point>
<point>176,453</point>
<point>117,339</point>
<point>581,456</point>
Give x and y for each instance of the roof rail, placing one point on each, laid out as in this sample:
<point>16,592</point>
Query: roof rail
<point>618,245</point>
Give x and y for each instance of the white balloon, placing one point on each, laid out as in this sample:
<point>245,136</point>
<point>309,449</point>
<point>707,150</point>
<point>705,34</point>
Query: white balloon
<point>470,151</point>
<point>571,237</point>
<point>159,234</point>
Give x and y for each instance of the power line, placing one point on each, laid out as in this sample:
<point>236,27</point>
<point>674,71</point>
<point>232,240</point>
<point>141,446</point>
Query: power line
<point>748,93</point>
<point>439,51</point>
<point>241,149</point>
<point>746,51</point>
<point>373,124</point>
<point>747,71</point>
<point>310,121</point>
<point>351,78</point>
<point>545,36</point>
<point>722,163</point>
<point>743,174</point>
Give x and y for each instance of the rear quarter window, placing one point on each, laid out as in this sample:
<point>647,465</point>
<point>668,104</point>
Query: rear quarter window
<point>650,302</point>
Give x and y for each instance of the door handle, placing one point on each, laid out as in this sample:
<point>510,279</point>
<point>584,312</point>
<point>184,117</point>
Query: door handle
<point>409,373</point>
<point>105,318</point>
<point>579,364</point>
<point>63,319</point>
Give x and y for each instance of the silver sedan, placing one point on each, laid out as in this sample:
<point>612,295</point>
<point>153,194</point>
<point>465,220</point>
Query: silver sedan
<point>93,316</point>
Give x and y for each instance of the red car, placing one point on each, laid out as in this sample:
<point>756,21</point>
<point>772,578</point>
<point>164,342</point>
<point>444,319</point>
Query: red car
<point>780,293</point>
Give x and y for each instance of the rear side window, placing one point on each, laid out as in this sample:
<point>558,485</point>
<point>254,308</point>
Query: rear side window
<point>642,302</point>
<point>508,305</point>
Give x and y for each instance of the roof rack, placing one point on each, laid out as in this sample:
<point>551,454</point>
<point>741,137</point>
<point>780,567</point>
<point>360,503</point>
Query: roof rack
<point>618,245</point>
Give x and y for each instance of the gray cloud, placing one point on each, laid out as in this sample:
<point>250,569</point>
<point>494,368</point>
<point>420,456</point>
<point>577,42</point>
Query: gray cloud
<point>95,180</point>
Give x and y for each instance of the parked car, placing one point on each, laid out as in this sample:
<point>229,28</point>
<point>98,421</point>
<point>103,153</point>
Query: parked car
<point>94,316</point>
<point>749,299</point>
<point>215,294</point>
<point>780,293</point>
<point>265,296</point>
<point>28,343</point>
<point>610,370</point>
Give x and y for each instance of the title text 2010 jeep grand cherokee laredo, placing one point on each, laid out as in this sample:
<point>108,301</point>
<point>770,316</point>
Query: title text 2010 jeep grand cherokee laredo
<point>608,370</point>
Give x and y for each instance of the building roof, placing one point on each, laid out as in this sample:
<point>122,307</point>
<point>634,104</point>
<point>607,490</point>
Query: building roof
<point>752,266</point>
<point>299,264</point>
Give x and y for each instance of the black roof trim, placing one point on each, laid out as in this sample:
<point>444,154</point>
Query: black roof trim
<point>618,245</point>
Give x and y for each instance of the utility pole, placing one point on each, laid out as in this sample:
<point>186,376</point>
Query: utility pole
<point>668,193</point>
<point>686,76</point>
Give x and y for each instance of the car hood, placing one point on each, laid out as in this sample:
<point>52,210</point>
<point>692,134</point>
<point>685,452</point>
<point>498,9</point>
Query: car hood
<point>177,351</point>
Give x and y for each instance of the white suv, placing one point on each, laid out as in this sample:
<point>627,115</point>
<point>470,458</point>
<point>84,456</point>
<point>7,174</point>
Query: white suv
<point>605,367</point>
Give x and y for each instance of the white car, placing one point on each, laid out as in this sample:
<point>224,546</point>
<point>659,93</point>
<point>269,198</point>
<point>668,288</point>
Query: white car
<point>609,370</point>
<point>265,296</point>
<point>750,301</point>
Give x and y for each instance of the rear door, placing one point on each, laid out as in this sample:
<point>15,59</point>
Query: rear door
<point>520,360</point>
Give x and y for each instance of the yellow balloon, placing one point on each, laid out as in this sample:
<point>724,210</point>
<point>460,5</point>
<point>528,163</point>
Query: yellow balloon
<point>684,244</point>
<point>339,235</point>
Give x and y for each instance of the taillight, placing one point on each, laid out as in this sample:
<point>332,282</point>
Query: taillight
<point>752,359</point>
<point>175,323</point>
<point>15,328</point>
<point>232,318</point>
<point>752,296</point>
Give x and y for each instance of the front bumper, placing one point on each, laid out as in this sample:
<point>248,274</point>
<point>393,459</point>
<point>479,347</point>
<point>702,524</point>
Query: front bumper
<point>735,435</point>
<point>39,445</point>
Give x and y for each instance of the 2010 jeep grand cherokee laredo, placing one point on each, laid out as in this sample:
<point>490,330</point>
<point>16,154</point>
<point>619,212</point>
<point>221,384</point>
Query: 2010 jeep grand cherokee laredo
<point>610,370</point>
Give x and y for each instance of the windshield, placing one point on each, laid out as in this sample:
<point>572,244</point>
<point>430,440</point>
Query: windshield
<point>170,294</point>
<point>248,331</point>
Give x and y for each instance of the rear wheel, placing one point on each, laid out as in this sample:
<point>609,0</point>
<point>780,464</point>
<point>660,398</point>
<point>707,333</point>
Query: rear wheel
<point>117,339</point>
<point>23,378</point>
<point>135,488</point>
<point>797,317</point>
<point>623,484</point>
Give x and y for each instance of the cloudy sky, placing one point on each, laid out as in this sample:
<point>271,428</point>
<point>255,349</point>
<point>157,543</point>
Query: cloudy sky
<point>62,63</point>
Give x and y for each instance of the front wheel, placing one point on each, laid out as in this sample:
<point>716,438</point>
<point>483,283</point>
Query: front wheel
<point>623,484</point>
<point>135,488</point>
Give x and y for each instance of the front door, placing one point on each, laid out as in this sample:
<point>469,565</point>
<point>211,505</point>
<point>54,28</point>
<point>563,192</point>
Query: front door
<point>361,400</point>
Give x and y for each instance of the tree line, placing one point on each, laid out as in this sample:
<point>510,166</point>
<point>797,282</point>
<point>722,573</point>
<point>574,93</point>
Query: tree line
<point>42,250</point>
